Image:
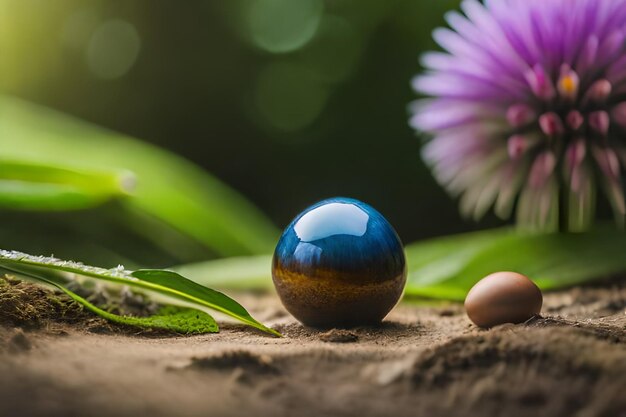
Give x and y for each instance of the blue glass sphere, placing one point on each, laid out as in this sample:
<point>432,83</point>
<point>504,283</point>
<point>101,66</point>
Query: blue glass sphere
<point>339,264</point>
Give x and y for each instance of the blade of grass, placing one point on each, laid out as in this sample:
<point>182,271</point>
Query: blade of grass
<point>33,186</point>
<point>96,235</point>
<point>169,188</point>
<point>163,282</point>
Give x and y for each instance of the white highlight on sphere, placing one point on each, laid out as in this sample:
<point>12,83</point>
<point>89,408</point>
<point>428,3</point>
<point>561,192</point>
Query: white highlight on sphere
<point>331,220</point>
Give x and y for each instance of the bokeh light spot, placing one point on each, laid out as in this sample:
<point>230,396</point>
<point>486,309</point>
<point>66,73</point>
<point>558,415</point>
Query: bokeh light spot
<point>78,28</point>
<point>287,97</point>
<point>334,52</point>
<point>280,26</point>
<point>113,49</point>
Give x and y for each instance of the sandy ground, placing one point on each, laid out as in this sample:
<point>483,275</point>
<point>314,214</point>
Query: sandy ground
<point>425,360</point>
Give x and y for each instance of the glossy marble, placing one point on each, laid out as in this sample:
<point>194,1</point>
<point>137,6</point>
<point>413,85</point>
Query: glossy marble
<point>339,263</point>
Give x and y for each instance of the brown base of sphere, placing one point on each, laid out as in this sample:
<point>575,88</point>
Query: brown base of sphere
<point>331,302</point>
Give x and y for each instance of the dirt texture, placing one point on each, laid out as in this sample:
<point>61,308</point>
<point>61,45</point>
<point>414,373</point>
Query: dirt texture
<point>424,360</point>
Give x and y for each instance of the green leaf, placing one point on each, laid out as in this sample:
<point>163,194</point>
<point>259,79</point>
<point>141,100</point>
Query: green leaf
<point>440,257</point>
<point>34,186</point>
<point>447,267</point>
<point>432,260</point>
<point>551,260</point>
<point>172,284</point>
<point>237,273</point>
<point>165,283</point>
<point>172,318</point>
<point>168,188</point>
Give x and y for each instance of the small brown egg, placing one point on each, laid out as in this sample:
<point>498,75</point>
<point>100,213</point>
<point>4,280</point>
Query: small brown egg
<point>503,297</point>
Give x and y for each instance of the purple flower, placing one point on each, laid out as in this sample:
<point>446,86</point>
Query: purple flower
<point>527,109</point>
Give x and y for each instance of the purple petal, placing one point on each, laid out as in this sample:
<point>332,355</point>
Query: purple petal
<point>464,87</point>
<point>599,91</point>
<point>541,169</point>
<point>608,162</point>
<point>619,113</point>
<point>540,82</point>
<point>610,47</point>
<point>520,114</point>
<point>599,121</point>
<point>445,114</point>
<point>587,55</point>
<point>574,120</point>
<point>617,70</point>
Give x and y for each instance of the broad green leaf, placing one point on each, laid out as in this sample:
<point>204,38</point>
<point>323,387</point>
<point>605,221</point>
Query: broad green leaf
<point>172,318</point>
<point>165,283</point>
<point>551,260</point>
<point>447,267</point>
<point>438,258</point>
<point>433,260</point>
<point>180,287</point>
<point>168,188</point>
<point>104,235</point>
<point>240,273</point>
<point>34,186</point>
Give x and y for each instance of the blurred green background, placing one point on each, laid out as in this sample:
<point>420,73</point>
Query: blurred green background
<point>286,101</point>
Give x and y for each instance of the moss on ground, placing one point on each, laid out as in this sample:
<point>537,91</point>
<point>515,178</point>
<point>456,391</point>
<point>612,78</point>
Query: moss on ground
<point>23,304</point>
